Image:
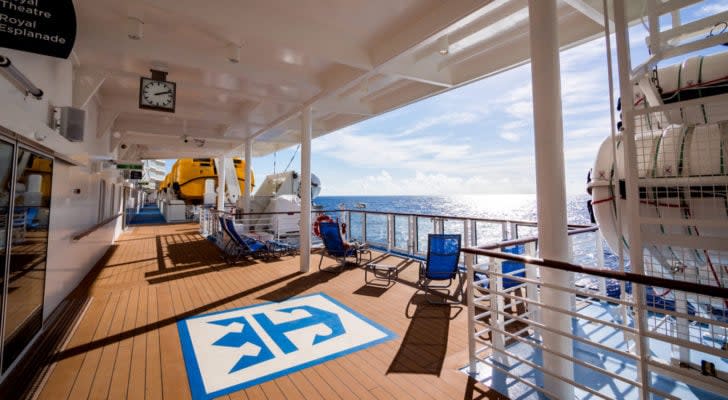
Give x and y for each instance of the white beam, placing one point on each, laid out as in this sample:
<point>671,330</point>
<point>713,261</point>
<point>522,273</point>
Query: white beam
<point>403,38</point>
<point>551,191</point>
<point>419,73</point>
<point>161,135</point>
<point>85,86</point>
<point>305,227</point>
<point>194,83</point>
<point>590,12</point>
<point>127,104</point>
<point>106,120</point>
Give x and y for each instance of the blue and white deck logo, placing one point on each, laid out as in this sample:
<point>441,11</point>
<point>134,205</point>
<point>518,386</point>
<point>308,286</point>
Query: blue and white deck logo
<point>235,349</point>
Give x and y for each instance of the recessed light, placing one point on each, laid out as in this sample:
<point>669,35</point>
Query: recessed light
<point>443,45</point>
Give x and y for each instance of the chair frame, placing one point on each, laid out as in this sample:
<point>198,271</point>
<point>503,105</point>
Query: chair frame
<point>355,250</point>
<point>236,248</point>
<point>424,283</point>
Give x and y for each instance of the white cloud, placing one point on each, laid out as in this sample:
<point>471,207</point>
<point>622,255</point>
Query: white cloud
<point>421,183</point>
<point>511,136</point>
<point>712,9</point>
<point>450,119</point>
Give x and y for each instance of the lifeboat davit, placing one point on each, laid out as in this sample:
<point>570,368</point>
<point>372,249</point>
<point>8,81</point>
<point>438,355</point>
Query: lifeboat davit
<point>682,160</point>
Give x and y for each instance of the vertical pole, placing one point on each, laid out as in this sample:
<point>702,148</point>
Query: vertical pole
<point>624,64</point>
<point>248,173</point>
<point>221,183</point>
<point>470,278</point>
<point>550,188</point>
<point>306,134</point>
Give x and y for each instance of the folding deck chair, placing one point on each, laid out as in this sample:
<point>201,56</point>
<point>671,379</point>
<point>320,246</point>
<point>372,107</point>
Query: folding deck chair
<point>336,247</point>
<point>443,257</point>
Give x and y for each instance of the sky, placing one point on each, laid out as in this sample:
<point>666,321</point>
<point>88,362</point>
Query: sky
<point>476,139</point>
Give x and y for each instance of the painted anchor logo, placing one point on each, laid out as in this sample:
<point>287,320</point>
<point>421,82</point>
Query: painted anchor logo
<point>246,339</point>
<point>254,351</point>
<point>278,332</point>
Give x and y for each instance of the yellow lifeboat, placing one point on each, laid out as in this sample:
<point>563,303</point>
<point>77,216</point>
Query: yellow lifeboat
<point>188,175</point>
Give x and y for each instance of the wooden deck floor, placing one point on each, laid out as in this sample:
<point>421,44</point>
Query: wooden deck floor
<point>126,344</point>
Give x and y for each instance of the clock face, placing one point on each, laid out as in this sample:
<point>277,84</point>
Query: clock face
<point>157,95</point>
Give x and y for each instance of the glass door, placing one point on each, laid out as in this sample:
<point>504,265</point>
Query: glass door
<point>27,246</point>
<point>7,160</point>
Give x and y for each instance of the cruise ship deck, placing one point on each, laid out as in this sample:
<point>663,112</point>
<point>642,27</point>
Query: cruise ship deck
<point>94,306</point>
<point>125,343</point>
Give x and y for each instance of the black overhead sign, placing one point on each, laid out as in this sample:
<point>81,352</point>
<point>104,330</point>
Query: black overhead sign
<point>45,27</point>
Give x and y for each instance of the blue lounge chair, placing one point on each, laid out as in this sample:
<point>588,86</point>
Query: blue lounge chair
<point>281,248</point>
<point>336,247</point>
<point>443,257</point>
<point>237,247</point>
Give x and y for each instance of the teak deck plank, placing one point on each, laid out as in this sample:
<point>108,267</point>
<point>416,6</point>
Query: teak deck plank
<point>126,344</point>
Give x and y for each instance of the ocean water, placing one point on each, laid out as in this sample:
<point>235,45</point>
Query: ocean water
<point>509,207</point>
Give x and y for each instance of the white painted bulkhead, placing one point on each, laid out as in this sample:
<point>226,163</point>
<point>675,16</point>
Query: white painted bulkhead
<point>68,261</point>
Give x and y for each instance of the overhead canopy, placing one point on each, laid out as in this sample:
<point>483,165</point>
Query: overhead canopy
<point>350,60</point>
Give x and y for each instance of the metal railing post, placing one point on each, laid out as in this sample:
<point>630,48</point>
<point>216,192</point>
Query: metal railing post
<point>390,232</point>
<point>497,306</point>
<point>514,230</point>
<point>411,235</point>
<point>532,292</point>
<point>470,279</point>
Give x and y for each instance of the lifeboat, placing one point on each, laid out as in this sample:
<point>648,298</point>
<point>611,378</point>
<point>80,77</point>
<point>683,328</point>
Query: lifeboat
<point>188,176</point>
<point>682,160</point>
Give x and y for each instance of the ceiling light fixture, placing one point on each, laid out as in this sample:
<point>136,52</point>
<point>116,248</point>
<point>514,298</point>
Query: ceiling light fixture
<point>443,45</point>
<point>134,28</point>
<point>233,53</point>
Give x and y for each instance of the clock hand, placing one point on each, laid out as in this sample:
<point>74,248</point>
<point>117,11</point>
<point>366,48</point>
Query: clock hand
<point>167,92</point>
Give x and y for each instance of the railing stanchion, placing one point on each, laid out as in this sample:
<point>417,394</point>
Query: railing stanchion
<point>470,279</point>
<point>497,306</point>
<point>532,288</point>
<point>390,232</point>
<point>600,262</point>
<point>411,235</point>
<point>514,230</point>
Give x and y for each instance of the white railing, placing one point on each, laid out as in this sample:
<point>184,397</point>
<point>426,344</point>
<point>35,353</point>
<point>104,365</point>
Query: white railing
<point>404,234</point>
<point>685,341</point>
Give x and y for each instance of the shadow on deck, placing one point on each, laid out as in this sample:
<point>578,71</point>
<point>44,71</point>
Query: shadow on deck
<point>116,335</point>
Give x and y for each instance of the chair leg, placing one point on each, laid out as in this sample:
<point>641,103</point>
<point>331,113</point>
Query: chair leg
<point>321,260</point>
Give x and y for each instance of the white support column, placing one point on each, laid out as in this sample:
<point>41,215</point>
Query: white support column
<point>306,128</point>
<point>550,187</point>
<point>221,183</point>
<point>248,173</point>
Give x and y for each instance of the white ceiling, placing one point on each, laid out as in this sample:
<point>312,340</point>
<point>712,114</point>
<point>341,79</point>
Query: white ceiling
<point>348,59</point>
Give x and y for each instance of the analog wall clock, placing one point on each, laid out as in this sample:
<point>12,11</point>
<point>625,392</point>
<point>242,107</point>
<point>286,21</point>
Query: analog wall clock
<point>157,94</point>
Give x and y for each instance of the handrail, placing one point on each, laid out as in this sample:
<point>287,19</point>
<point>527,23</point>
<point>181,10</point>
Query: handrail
<point>531,239</point>
<point>450,217</point>
<point>90,230</point>
<point>696,288</point>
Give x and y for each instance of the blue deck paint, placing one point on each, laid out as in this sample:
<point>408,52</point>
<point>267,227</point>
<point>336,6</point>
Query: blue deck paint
<point>234,349</point>
<point>148,214</point>
<point>612,388</point>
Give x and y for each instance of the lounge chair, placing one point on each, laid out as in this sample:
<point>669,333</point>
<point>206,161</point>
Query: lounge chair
<point>336,247</point>
<point>443,257</point>
<point>238,247</point>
